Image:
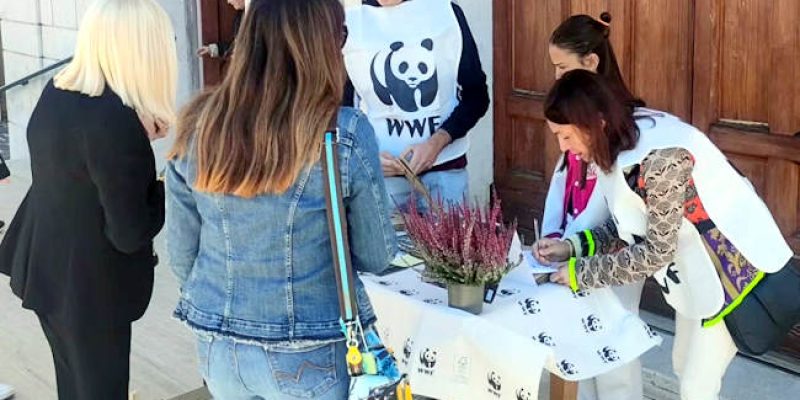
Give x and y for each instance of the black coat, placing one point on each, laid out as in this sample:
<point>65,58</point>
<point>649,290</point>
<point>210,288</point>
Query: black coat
<point>80,247</point>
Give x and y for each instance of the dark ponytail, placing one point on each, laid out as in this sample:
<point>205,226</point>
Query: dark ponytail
<point>584,35</point>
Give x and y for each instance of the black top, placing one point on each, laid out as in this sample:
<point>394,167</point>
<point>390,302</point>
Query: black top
<point>80,246</point>
<point>473,91</point>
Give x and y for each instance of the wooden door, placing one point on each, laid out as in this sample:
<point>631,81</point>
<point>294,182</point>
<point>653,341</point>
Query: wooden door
<point>216,25</point>
<point>730,68</point>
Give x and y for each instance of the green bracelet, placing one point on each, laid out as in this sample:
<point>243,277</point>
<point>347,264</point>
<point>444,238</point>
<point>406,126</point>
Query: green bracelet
<point>573,277</point>
<point>590,240</point>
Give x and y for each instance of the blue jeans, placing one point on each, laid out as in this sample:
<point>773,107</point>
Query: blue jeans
<point>450,185</point>
<point>239,371</point>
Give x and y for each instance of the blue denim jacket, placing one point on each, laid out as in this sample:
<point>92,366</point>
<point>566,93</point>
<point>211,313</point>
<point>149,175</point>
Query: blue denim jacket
<point>261,268</point>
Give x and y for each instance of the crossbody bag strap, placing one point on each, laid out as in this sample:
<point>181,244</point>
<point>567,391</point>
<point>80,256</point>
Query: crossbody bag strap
<point>337,225</point>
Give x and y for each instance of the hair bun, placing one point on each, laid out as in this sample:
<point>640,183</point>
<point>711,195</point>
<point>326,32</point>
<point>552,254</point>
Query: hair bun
<point>605,17</point>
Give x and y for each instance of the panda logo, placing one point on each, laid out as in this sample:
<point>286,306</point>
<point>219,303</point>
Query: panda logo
<point>529,306</point>
<point>428,358</point>
<point>592,324</point>
<point>410,74</point>
<point>608,354</point>
<point>409,292</point>
<point>567,368</point>
<point>407,347</point>
<point>508,292</point>
<point>650,332</point>
<point>580,294</point>
<point>545,339</point>
<point>524,394</point>
<point>494,380</point>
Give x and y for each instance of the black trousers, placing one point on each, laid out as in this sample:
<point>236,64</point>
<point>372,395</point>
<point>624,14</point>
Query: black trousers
<point>92,363</point>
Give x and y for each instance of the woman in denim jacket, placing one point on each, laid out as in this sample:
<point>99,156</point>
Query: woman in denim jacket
<point>247,228</point>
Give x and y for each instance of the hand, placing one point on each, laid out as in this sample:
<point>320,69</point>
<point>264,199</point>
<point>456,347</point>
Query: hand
<point>156,128</point>
<point>561,277</point>
<point>390,165</point>
<point>209,50</point>
<point>547,251</point>
<point>5,181</point>
<point>423,155</point>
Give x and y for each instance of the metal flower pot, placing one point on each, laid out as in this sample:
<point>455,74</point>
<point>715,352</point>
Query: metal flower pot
<point>465,297</point>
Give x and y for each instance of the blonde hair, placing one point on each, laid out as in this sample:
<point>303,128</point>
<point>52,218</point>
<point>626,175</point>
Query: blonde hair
<point>128,45</point>
<point>257,130</point>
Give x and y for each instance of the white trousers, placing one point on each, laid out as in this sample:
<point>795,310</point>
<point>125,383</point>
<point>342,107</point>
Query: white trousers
<point>625,382</point>
<point>700,357</point>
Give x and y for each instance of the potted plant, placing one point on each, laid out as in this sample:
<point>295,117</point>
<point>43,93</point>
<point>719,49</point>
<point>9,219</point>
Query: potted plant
<point>464,246</point>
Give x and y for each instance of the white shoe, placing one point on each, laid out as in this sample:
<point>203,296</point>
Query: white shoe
<point>6,391</point>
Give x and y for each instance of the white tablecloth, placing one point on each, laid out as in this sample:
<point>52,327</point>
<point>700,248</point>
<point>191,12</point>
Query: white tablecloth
<point>451,354</point>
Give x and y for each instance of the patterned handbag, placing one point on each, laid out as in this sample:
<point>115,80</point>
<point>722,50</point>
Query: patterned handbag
<point>372,368</point>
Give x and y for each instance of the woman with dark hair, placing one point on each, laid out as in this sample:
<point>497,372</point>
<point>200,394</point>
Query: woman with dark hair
<point>676,206</point>
<point>416,73</point>
<point>582,42</point>
<point>247,231</point>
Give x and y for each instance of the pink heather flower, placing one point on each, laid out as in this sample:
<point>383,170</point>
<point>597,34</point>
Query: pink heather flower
<point>461,243</point>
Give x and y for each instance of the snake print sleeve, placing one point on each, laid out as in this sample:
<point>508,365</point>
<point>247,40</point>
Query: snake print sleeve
<point>665,174</point>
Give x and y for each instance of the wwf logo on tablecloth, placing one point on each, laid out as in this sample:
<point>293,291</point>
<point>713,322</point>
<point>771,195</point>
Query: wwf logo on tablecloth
<point>409,292</point>
<point>608,354</point>
<point>567,368</point>
<point>495,383</point>
<point>433,301</point>
<point>592,324</point>
<point>408,347</point>
<point>545,339</point>
<point>427,361</point>
<point>387,283</point>
<point>650,332</point>
<point>581,294</point>
<point>524,394</point>
<point>508,292</point>
<point>529,306</point>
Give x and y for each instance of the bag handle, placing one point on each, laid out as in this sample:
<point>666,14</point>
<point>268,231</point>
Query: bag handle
<point>337,226</point>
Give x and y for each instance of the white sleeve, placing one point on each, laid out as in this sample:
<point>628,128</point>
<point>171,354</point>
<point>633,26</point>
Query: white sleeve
<point>554,204</point>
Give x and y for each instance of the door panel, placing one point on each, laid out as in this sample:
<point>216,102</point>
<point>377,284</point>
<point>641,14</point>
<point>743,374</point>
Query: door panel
<point>216,18</point>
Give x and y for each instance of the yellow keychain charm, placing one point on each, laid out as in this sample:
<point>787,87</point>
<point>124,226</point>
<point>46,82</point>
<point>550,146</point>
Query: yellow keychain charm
<point>354,356</point>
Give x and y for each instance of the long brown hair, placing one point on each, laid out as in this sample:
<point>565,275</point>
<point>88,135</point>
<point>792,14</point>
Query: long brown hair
<point>257,130</point>
<point>584,99</point>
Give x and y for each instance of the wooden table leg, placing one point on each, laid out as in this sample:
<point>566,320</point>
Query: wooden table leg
<point>561,389</point>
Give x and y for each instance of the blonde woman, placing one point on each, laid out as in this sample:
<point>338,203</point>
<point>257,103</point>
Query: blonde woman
<point>247,231</point>
<point>79,250</point>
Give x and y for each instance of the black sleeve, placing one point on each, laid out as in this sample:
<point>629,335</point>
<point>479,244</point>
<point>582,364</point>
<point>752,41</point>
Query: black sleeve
<point>121,164</point>
<point>4,172</point>
<point>473,92</point>
<point>348,100</point>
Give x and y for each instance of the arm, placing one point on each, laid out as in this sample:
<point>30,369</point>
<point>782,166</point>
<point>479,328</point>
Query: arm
<point>183,221</point>
<point>553,216</point>
<point>474,93</point>
<point>121,164</point>
<point>373,243</point>
<point>666,174</point>
<point>472,105</point>
<point>349,94</point>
